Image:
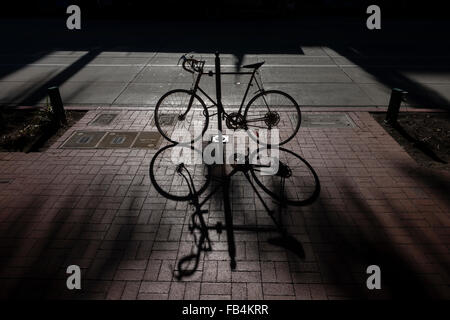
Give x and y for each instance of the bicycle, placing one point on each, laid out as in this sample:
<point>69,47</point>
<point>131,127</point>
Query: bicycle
<point>267,109</point>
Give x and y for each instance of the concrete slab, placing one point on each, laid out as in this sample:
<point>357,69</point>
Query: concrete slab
<point>378,93</point>
<point>113,60</point>
<point>324,94</point>
<point>225,60</point>
<point>37,60</point>
<point>79,92</point>
<point>305,74</point>
<point>105,74</point>
<point>294,60</point>
<point>14,92</point>
<point>126,53</point>
<point>163,74</point>
<point>358,75</point>
<point>144,93</point>
<point>341,61</point>
<point>74,53</point>
<point>313,51</point>
<point>337,94</point>
<point>37,74</point>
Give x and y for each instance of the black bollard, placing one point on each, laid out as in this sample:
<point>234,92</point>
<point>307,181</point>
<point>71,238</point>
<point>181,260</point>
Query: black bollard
<point>397,96</point>
<point>57,105</point>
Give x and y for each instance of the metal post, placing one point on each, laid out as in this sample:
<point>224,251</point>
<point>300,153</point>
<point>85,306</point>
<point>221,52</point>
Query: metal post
<point>395,101</point>
<point>218,93</point>
<point>219,107</point>
<point>57,105</point>
<point>225,177</point>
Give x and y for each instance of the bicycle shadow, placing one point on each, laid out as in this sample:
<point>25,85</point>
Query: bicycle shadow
<point>200,223</point>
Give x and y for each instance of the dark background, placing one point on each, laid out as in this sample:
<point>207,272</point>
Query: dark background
<point>223,9</point>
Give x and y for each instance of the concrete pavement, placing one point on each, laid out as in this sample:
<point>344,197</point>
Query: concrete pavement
<point>318,78</point>
<point>133,64</point>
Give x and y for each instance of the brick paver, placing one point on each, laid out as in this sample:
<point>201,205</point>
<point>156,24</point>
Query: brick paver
<point>96,208</point>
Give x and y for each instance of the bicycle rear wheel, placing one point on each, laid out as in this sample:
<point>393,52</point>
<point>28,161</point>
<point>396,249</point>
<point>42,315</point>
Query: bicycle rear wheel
<point>166,179</point>
<point>176,121</point>
<point>294,182</point>
<point>273,109</point>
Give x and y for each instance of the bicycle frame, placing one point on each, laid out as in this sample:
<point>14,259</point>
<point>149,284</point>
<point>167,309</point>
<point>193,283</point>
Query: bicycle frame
<point>197,87</point>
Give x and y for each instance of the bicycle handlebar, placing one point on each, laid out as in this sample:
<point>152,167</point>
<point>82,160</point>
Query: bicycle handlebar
<point>191,65</point>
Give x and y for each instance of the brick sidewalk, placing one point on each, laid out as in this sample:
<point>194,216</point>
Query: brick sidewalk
<point>97,209</point>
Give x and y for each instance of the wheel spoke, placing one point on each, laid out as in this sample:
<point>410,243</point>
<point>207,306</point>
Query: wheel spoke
<point>175,105</point>
<point>299,185</point>
<point>256,119</point>
<point>274,109</point>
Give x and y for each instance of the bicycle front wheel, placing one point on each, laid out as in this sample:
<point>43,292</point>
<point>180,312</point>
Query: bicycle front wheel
<point>165,176</point>
<point>181,116</point>
<point>290,179</point>
<point>275,111</point>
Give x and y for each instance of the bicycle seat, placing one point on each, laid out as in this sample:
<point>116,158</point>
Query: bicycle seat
<point>254,65</point>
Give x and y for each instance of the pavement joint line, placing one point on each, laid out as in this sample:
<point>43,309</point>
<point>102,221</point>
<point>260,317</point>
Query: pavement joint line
<point>305,108</point>
<point>225,66</point>
<point>374,108</point>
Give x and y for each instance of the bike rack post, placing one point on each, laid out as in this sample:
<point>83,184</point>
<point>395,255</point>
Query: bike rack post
<point>397,96</point>
<point>226,179</point>
<point>218,94</point>
<point>57,105</point>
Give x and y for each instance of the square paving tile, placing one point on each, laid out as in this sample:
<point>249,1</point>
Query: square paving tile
<point>114,140</point>
<point>104,119</point>
<point>324,120</point>
<point>84,139</point>
<point>165,120</point>
<point>148,140</point>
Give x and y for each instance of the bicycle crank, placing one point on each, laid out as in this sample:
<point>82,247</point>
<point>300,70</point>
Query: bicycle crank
<point>235,121</point>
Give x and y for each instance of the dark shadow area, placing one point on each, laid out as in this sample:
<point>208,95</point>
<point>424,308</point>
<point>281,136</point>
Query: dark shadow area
<point>62,241</point>
<point>436,181</point>
<point>209,10</point>
<point>35,94</point>
<point>289,243</point>
<point>422,146</point>
<point>416,268</point>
